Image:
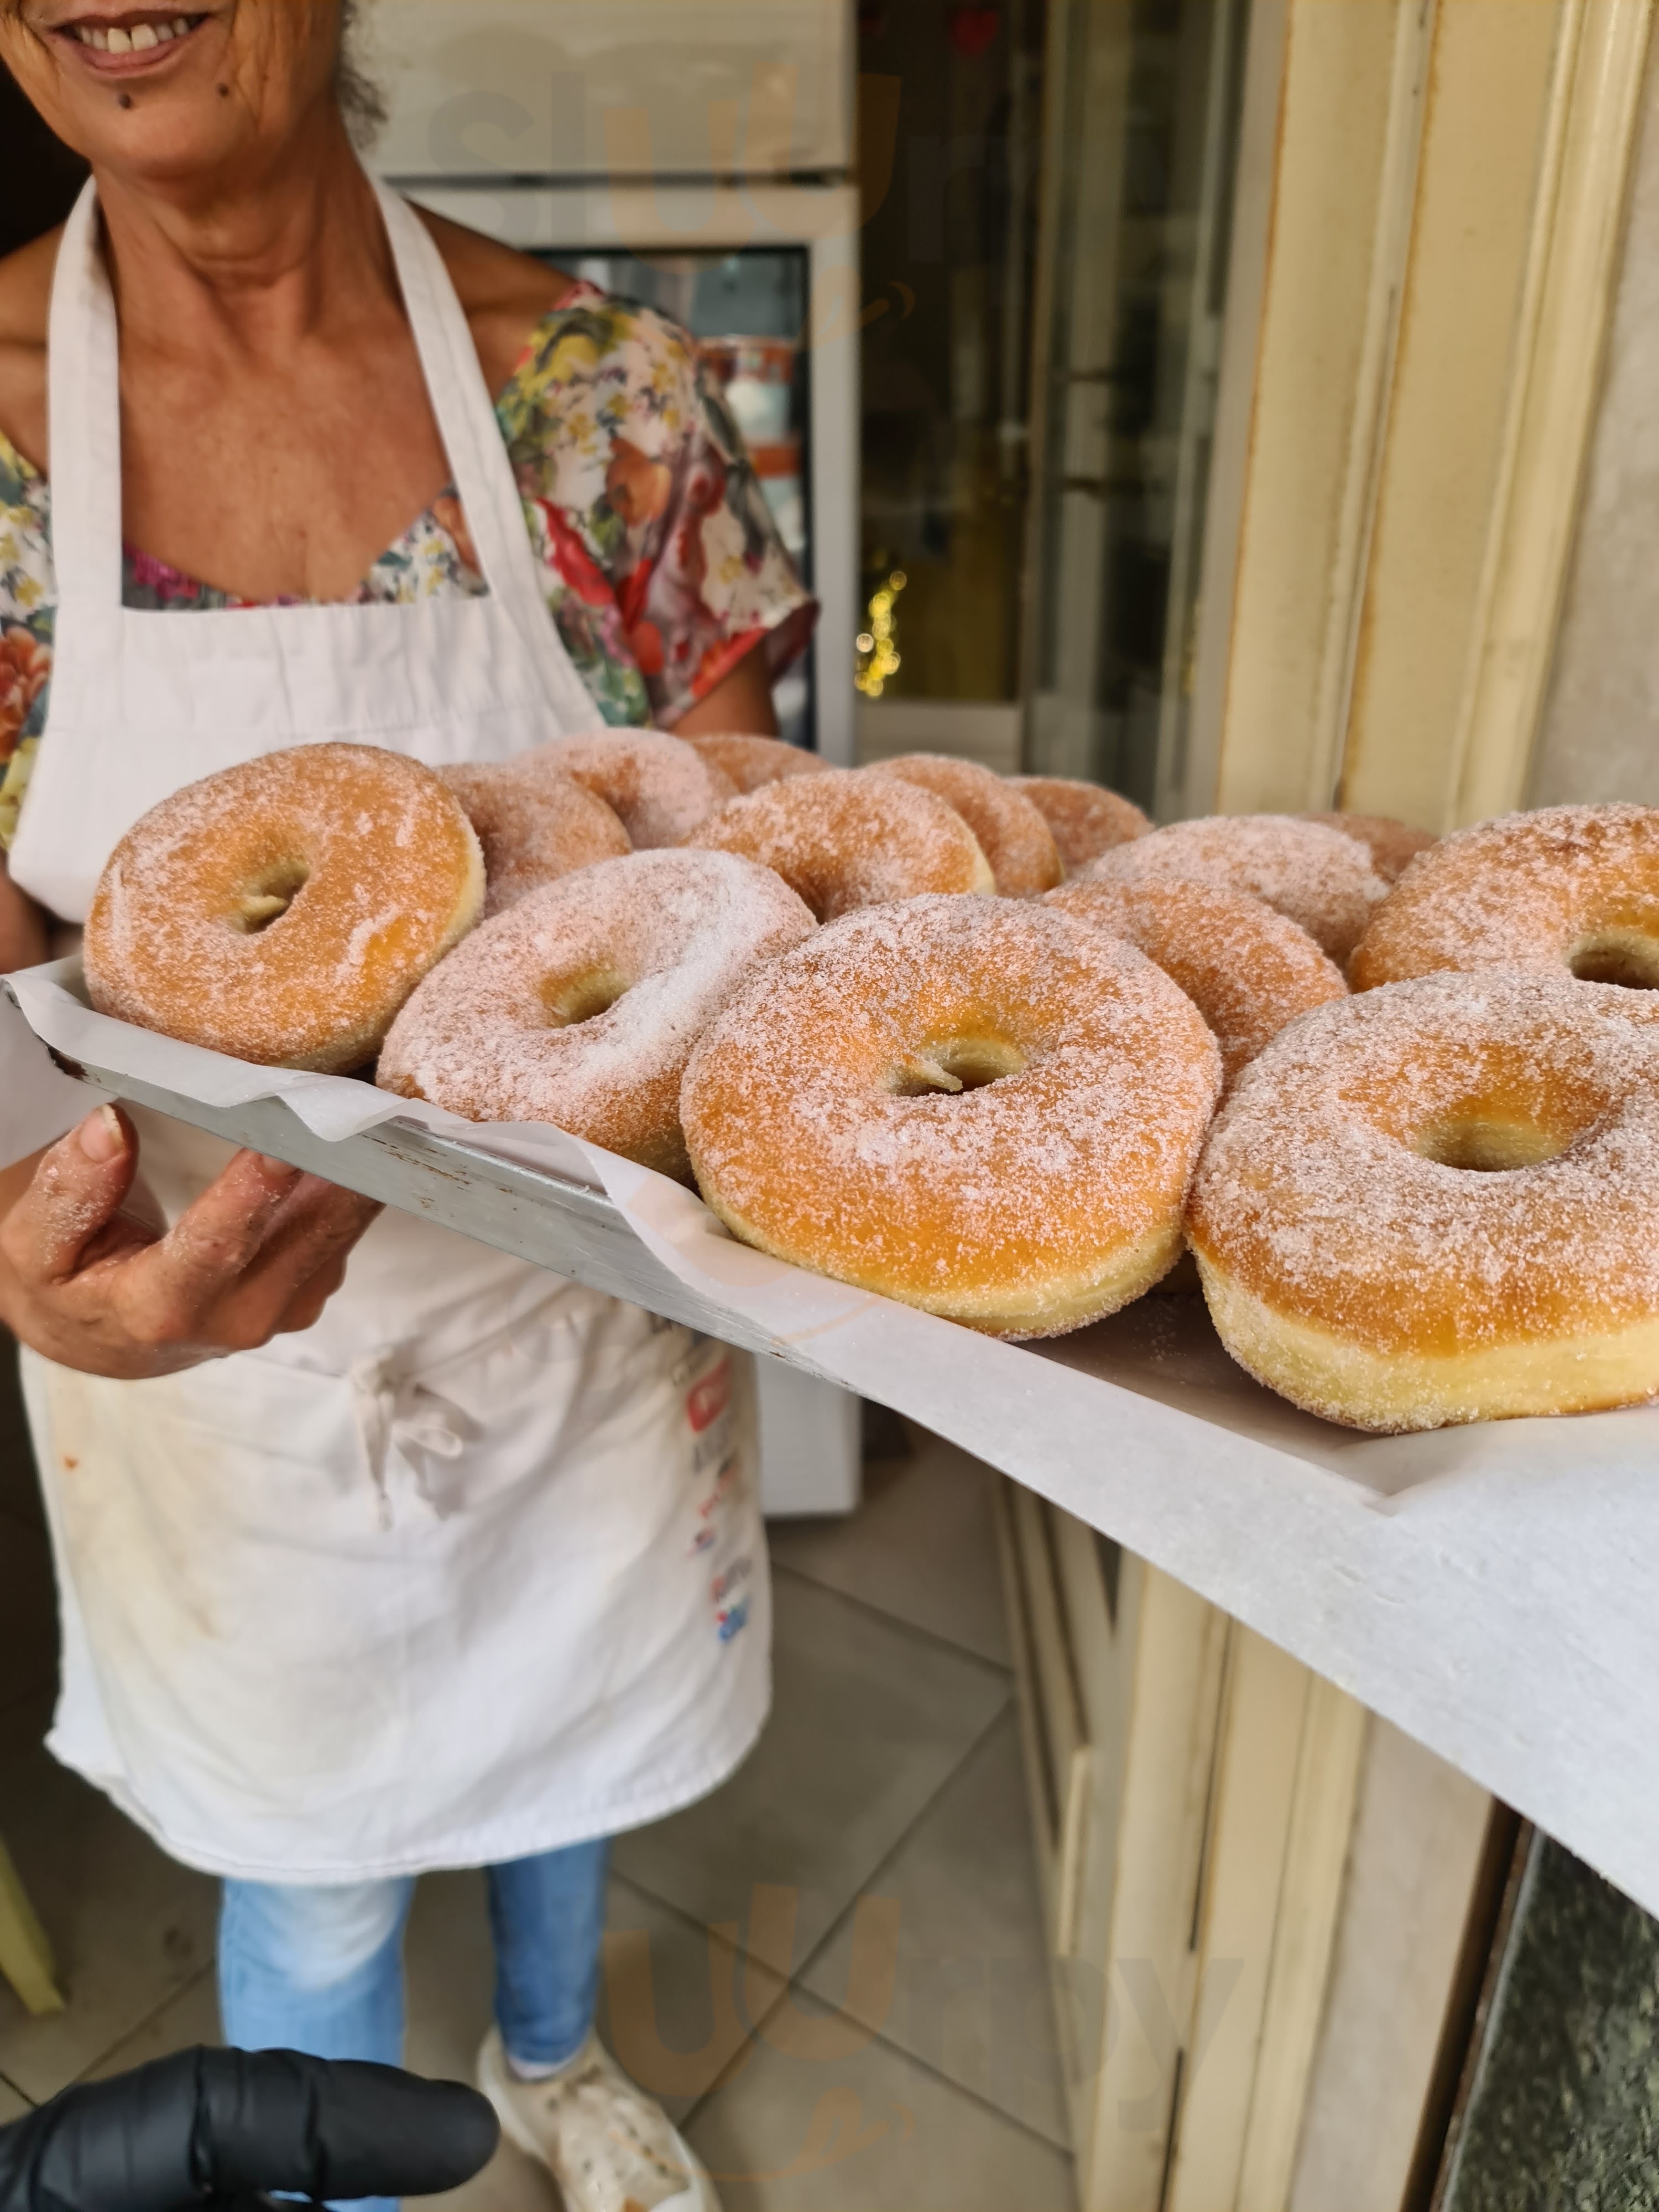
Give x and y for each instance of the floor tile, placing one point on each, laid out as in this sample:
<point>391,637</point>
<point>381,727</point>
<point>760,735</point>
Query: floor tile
<point>13,2107</point>
<point>857,2127</point>
<point>28,1611</point>
<point>969,1993</point>
<point>130,1926</point>
<point>191,2017</point>
<point>19,1493</point>
<point>923,1547</point>
<point>870,1721</point>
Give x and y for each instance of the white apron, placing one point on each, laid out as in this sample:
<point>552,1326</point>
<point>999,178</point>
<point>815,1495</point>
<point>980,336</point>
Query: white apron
<point>474,1567</point>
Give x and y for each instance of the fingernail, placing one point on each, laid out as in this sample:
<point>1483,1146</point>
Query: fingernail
<point>103,1137</point>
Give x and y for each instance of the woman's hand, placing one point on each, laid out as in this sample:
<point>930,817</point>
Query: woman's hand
<point>259,1254</point>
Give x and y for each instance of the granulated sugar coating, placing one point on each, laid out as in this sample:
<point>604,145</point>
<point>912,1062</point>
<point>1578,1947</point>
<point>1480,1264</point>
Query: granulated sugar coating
<point>1085,819</point>
<point>1015,839</point>
<point>283,910</point>
<point>658,786</point>
<point>1439,1201</point>
<point>533,829</point>
<point>847,840</point>
<point>1248,970</point>
<point>1571,890</point>
<point>1321,879</point>
<point>986,1108</point>
<point>752,762</point>
<point>1392,845</point>
<point>581,1005</point>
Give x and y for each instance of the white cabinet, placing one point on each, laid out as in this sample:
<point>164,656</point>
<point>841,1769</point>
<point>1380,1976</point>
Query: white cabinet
<point>622,89</point>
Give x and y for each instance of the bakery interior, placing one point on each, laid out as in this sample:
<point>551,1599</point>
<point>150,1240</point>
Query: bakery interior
<point>1247,406</point>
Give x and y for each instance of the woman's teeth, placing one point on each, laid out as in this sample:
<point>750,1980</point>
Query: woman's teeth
<point>138,40</point>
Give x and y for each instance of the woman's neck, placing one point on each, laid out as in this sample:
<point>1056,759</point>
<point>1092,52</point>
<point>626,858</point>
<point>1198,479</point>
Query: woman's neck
<point>263,261</point>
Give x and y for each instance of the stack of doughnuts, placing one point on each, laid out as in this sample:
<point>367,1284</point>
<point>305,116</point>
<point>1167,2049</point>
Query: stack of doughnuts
<point>993,1046</point>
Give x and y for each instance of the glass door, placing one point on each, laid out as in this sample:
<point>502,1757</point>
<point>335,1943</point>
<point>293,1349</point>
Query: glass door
<point>1144,107</point>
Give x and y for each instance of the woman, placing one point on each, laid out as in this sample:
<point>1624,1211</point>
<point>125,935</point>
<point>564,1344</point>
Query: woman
<point>418,1575</point>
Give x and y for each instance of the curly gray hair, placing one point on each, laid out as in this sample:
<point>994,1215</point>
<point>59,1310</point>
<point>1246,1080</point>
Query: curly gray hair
<point>361,102</point>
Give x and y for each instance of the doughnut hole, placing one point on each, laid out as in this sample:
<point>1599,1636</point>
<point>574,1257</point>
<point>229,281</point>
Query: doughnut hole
<point>958,1064</point>
<point>1483,1144</point>
<point>573,999</point>
<point>1628,957</point>
<point>267,895</point>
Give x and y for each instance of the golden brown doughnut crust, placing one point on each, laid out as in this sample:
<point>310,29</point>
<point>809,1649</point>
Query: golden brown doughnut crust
<point>1248,970</point>
<point>1322,878</point>
<point>751,762</point>
<point>533,830</point>
<point>1567,890</point>
<point>656,785</point>
<point>581,1004</point>
<point>847,840</point>
<point>283,910</point>
<point>1013,834</point>
<point>1439,1201</point>
<point>981,1107</point>
<point>1392,845</point>
<point>1085,819</point>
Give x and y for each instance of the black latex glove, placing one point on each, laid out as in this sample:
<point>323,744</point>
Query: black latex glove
<point>210,2130</point>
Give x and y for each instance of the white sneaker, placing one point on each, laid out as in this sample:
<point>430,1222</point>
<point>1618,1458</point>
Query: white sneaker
<point>609,2146</point>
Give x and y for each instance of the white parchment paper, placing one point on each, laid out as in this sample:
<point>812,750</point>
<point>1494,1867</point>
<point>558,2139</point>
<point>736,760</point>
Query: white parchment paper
<point>1488,1588</point>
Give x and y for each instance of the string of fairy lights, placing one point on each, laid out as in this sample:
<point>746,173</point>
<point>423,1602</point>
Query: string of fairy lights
<point>878,659</point>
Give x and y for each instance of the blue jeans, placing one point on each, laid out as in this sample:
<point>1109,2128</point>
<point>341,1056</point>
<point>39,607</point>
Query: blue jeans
<point>321,1969</point>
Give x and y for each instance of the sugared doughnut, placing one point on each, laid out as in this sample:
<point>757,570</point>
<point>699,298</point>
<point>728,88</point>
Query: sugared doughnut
<point>1568,889</point>
<point>580,1005</point>
<point>658,786</point>
<point>983,1108</point>
<point>1439,1202</point>
<point>284,910</point>
<point>1013,834</point>
<point>847,840</point>
<point>533,829</point>
<point>1392,845</point>
<point>1247,969</point>
<point>752,762</point>
<point>1322,878</point>
<point>1086,819</point>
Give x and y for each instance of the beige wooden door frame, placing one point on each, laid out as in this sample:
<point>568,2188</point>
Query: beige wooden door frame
<point>1432,199</point>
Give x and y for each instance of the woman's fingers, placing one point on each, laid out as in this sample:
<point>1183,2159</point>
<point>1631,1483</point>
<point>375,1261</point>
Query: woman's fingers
<point>300,1263</point>
<point>168,1294</point>
<point>76,1192</point>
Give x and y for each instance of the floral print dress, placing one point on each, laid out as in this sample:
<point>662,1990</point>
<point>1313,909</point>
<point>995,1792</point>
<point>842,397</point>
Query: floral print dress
<point>661,564</point>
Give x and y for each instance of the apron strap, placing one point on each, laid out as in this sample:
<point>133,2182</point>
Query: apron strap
<point>84,384</point>
<point>471,433</point>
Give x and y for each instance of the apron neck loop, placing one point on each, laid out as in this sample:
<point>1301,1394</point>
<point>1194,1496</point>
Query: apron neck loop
<point>84,460</point>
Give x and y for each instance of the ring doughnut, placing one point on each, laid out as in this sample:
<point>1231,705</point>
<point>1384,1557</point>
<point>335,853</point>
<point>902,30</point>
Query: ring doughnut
<point>847,840</point>
<point>1322,878</point>
<point>983,1108</point>
<point>1567,890</point>
<point>1085,819</point>
<point>1014,836</point>
<point>532,830</point>
<point>1247,969</point>
<point>749,762</point>
<point>1392,845</point>
<point>283,910</point>
<point>580,1005</point>
<point>1439,1201</point>
<point>657,785</point>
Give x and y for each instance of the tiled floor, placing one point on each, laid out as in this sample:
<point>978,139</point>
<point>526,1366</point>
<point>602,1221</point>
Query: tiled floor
<point>832,1971</point>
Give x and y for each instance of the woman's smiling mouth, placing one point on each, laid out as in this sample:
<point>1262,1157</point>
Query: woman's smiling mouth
<point>136,39</point>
